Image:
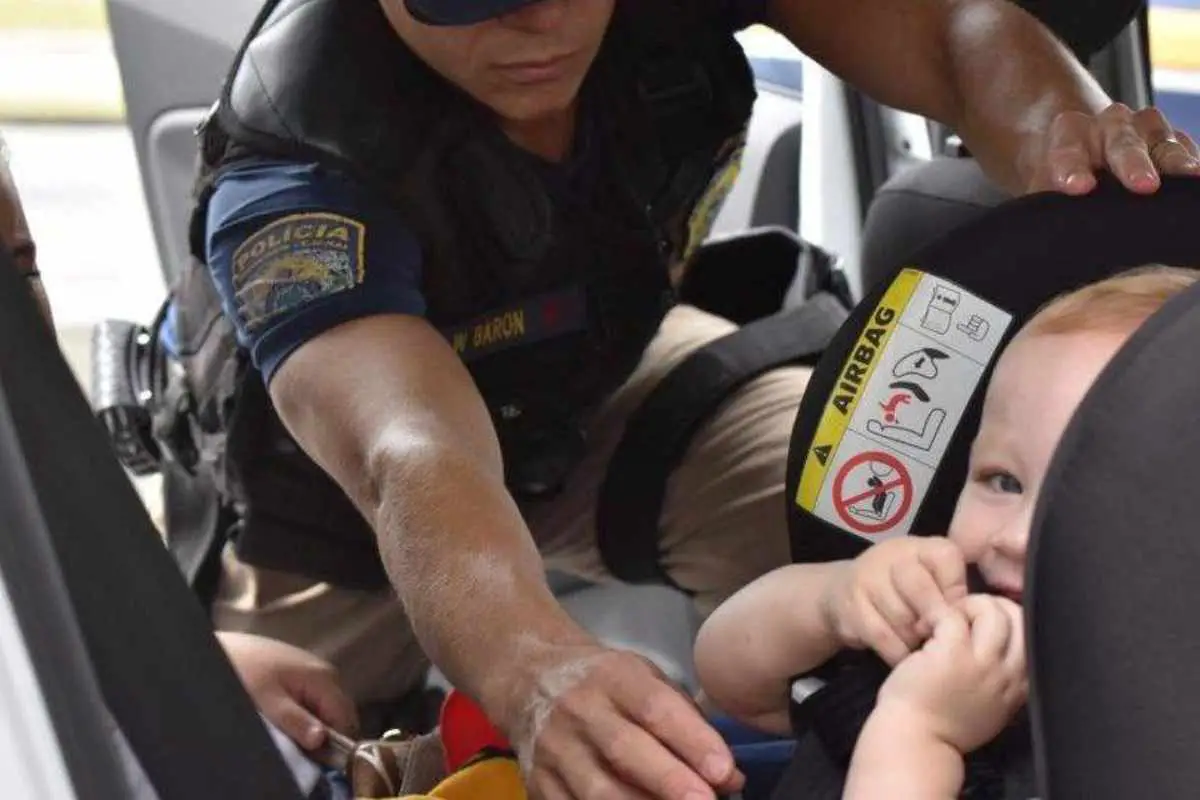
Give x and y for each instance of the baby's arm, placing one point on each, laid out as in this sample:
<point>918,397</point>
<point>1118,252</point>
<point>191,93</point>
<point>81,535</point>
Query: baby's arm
<point>771,630</point>
<point>796,618</point>
<point>896,759</point>
<point>946,700</point>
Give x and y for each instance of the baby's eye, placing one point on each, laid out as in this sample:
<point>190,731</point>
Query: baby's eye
<point>1002,482</point>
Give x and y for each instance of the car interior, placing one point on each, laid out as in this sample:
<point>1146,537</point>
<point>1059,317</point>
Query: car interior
<point>117,697</point>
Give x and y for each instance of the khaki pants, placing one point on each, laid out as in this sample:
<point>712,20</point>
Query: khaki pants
<point>723,524</point>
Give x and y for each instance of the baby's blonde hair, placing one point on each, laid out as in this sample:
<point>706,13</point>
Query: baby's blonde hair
<point>1114,305</point>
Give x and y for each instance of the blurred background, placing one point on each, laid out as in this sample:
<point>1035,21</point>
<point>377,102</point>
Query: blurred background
<point>62,112</point>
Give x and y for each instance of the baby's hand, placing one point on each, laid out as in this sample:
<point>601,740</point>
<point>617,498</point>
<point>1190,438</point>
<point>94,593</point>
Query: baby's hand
<point>968,680</point>
<point>890,596</point>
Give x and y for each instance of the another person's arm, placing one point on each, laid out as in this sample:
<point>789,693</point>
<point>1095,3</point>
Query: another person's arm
<point>941,703</point>
<point>799,616</point>
<point>1029,111</point>
<point>378,398</point>
<point>298,692</point>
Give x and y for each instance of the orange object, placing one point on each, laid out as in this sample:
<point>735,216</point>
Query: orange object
<point>466,731</point>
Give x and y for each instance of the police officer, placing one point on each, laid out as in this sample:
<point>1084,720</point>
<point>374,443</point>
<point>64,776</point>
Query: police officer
<point>442,231</point>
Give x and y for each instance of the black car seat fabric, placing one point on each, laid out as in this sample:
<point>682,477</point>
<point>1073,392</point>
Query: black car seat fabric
<point>1111,583</point>
<point>1085,26</point>
<point>158,667</point>
<point>882,436</point>
<point>920,205</point>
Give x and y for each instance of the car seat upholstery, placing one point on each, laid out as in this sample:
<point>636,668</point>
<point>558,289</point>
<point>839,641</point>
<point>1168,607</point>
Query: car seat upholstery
<point>1111,587</point>
<point>918,206</point>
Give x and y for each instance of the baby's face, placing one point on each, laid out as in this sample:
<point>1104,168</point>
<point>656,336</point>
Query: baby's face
<point>1038,383</point>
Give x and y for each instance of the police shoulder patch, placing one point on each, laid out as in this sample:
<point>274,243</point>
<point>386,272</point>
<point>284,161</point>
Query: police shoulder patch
<point>295,260</point>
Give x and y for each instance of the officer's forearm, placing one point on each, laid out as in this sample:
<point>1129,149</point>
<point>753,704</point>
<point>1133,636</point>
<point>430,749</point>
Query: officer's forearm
<point>466,569</point>
<point>1011,78</point>
<point>985,67</point>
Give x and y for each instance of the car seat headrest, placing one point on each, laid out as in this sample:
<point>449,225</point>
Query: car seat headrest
<point>1111,580</point>
<point>1085,26</point>
<point>881,439</point>
<point>918,206</point>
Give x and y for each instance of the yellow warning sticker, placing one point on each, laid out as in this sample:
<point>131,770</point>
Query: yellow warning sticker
<point>855,374</point>
<point>901,394</point>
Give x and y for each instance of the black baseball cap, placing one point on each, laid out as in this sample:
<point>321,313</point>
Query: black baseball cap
<point>461,12</point>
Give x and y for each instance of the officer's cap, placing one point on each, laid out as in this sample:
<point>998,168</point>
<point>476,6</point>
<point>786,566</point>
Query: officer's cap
<point>460,12</point>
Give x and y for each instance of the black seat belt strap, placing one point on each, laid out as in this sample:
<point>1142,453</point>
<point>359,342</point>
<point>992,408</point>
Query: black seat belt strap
<point>661,428</point>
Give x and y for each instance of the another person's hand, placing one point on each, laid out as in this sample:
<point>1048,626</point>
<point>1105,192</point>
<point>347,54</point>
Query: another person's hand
<point>890,596</point>
<point>967,681</point>
<point>588,721</point>
<point>294,689</point>
<point>1136,147</point>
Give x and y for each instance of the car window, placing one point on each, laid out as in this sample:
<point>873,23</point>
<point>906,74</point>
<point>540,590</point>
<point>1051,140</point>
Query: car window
<point>1175,60</point>
<point>775,60</point>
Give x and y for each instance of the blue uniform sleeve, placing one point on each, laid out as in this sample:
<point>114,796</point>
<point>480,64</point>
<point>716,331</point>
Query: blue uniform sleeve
<point>297,249</point>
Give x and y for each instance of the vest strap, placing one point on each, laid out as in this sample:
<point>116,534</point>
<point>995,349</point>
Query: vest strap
<point>659,431</point>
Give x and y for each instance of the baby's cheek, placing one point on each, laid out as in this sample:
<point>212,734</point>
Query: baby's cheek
<point>970,526</point>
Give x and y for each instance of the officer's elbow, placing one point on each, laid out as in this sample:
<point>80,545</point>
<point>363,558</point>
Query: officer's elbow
<point>398,464</point>
<point>409,473</point>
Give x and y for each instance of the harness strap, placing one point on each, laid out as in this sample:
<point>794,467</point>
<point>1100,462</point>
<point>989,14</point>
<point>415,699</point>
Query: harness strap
<point>659,431</point>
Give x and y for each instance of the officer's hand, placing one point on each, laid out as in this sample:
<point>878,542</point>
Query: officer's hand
<point>294,689</point>
<point>968,680</point>
<point>889,598</point>
<point>599,723</point>
<point>1136,147</point>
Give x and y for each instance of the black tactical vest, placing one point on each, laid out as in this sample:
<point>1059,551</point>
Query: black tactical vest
<point>549,303</point>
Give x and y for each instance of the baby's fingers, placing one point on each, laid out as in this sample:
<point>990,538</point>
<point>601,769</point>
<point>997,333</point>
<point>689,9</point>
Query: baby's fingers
<point>879,635</point>
<point>946,564</point>
<point>991,626</point>
<point>1014,654</point>
<point>919,589</point>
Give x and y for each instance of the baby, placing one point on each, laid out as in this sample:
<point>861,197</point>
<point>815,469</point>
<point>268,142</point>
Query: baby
<point>959,658</point>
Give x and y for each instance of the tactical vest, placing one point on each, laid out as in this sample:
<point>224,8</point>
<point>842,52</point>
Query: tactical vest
<point>550,303</point>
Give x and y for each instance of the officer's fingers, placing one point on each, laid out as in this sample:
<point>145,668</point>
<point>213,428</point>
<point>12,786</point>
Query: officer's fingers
<point>1167,151</point>
<point>1188,142</point>
<point>605,755</point>
<point>1126,152</point>
<point>1068,162</point>
<point>689,752</point>
<point>642,761</point>
<point>547,786</point>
